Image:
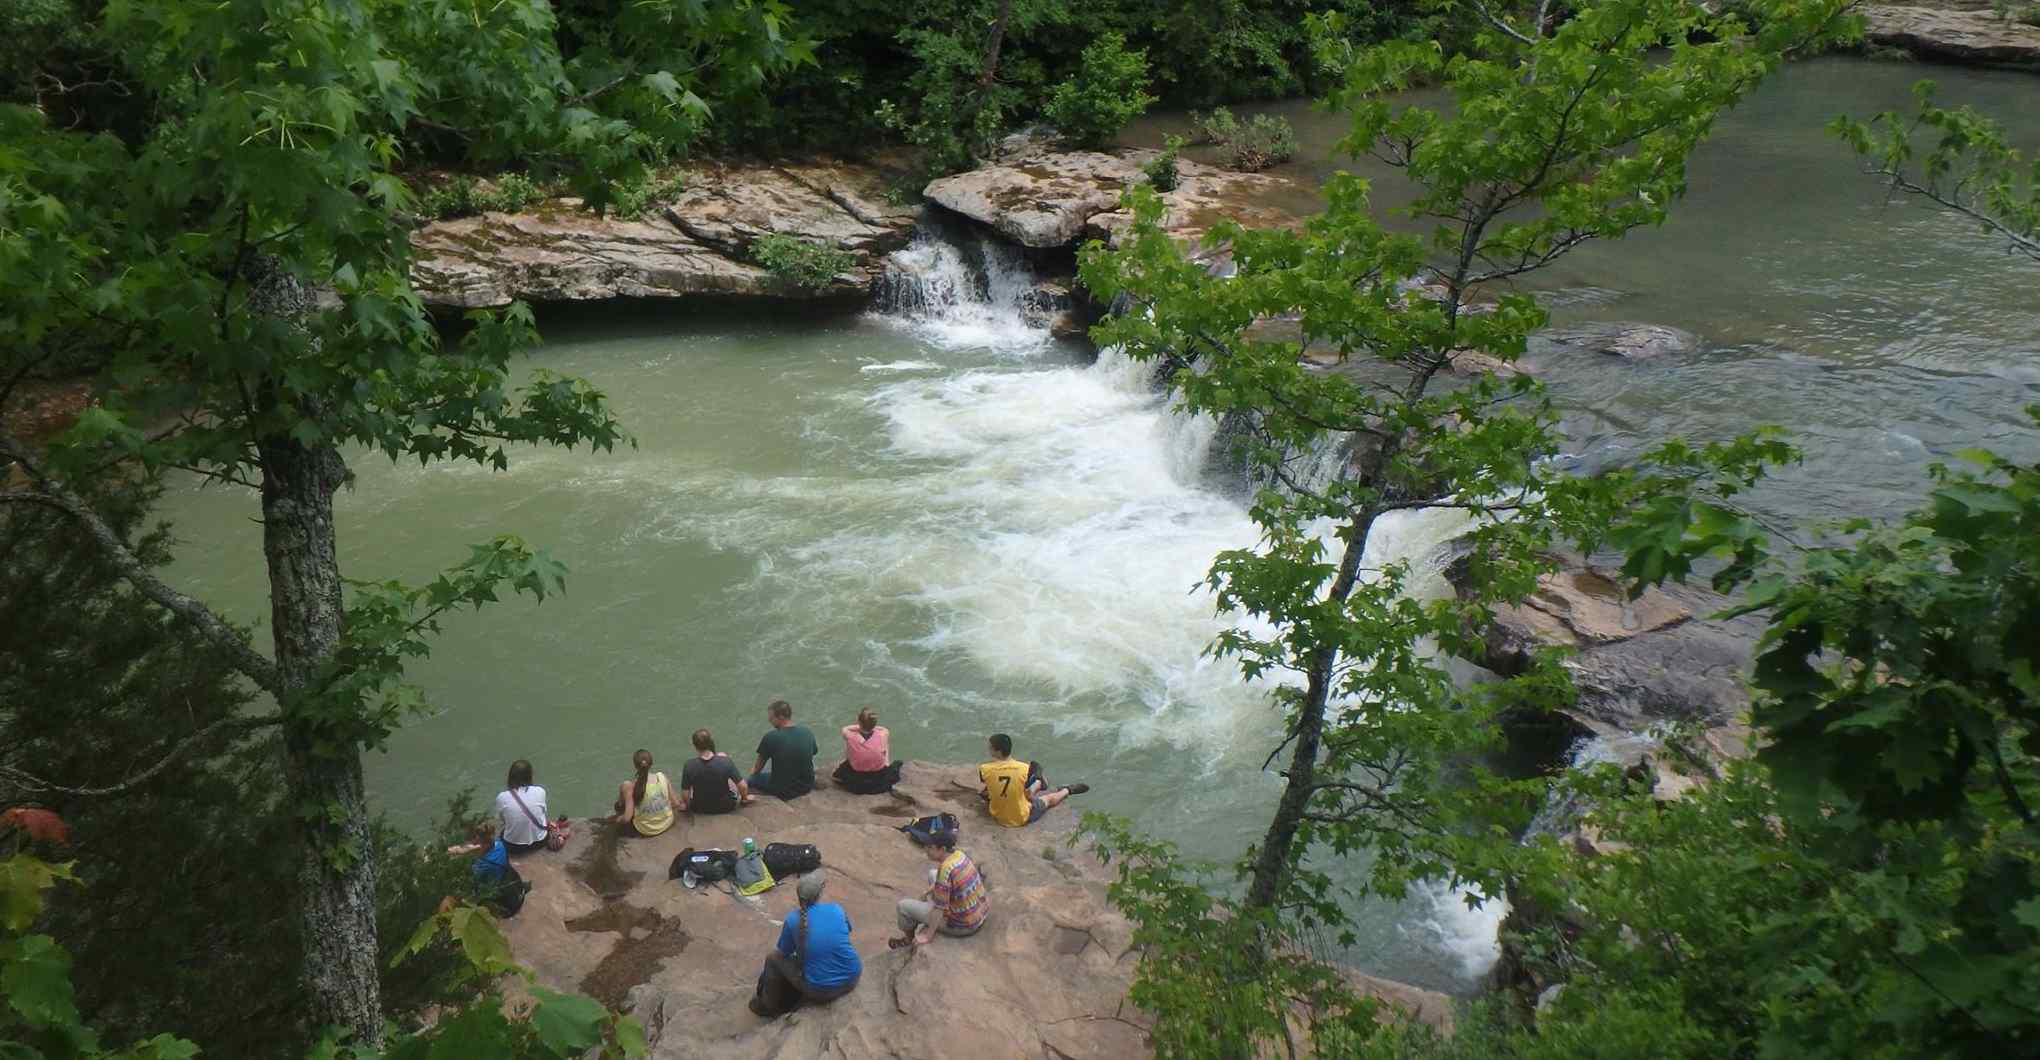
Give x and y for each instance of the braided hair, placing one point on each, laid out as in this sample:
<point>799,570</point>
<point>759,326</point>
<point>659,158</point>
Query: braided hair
<point>807,913</point>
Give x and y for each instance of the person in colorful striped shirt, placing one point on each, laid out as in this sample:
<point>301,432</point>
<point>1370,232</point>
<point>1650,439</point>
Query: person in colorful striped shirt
<point>957,902</point>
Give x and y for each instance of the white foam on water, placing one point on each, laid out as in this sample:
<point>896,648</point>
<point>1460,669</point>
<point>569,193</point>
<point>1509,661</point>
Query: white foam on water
<point>901,366</point>
<point>961,296</point>
<point>1469,935</point>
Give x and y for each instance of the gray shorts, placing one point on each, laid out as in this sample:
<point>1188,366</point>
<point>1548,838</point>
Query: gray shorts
<point>1040,807</point>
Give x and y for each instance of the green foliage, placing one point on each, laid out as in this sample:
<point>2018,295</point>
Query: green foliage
<point>1970,167</point>
<point>801,262</point>
<point>1107,91</point>
<point>1549,141</point>
<point>464,196</point>
<point>229,249</point>
<point>1264,140</point>
<point>924,64</point>
<point>636,199</point>
<point>1203,974</point>
<point>1215,126</point>
<point>1161,170</point>
<point>41,1019</point>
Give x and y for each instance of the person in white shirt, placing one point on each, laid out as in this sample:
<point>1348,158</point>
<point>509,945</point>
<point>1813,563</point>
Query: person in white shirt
<point>521,809</point>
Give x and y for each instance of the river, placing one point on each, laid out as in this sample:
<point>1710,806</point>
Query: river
<point>949,517</point>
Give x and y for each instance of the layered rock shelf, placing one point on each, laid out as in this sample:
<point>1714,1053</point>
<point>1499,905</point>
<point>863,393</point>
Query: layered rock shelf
<point>1049,199</point>
<point>1047,977</point>
<point>697,244</point>
<point>1962,31</point>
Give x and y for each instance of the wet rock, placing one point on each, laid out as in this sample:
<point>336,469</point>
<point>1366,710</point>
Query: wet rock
<point>1046,977</point>
<point>1059,198</point>
<point>1635,663</point>
<point>698,244</point>
<point>1629,341</point>
<point>1963,33</point>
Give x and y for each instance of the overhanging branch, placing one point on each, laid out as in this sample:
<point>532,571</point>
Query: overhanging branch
<point>32,783</point>
<point>47,492</point>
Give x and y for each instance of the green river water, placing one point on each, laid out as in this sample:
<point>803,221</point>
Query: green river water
<point>947,517</point>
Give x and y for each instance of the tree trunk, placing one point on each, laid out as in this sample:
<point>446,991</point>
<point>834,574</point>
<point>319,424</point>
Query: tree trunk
<point>988,69</point>
<point>322,760</point>
<point>1271,864</point>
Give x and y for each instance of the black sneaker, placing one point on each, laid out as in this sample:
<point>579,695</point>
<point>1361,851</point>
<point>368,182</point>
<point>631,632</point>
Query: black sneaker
<point>1079,789</point>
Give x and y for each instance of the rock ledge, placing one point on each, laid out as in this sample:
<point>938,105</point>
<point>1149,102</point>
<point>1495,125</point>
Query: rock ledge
<point>1047,977</point>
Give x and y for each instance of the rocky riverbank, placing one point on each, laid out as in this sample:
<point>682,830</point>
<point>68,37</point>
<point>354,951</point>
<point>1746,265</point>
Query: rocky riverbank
<point>1956,31</point>
<point>698,243</point>
<point>701,242</point>
<point>1047,977</point>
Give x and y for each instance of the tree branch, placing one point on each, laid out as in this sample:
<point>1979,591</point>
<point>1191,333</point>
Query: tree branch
<point>31,782</point>
<point>216,630</point>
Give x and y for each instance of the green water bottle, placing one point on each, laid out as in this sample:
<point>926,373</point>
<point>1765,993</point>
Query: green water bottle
<point>750,846</point>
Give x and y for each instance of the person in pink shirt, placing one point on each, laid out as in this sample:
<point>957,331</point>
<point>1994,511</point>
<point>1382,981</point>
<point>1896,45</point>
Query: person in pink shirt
<point>868,768</point>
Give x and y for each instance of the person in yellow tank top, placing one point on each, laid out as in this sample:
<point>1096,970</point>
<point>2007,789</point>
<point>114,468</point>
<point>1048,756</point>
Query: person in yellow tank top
<point>646,801</point>
<point>1016,792</point>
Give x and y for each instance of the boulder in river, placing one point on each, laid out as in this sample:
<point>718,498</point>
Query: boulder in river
<point>1627,340</point>
<point>1635,663</point>
<point>1060,198</point>
<point>1953,31</point>
<point>1046,977</point>
<point>697,244</point>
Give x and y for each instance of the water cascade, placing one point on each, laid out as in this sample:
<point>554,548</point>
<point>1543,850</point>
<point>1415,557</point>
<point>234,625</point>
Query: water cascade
<point>1106,495</point>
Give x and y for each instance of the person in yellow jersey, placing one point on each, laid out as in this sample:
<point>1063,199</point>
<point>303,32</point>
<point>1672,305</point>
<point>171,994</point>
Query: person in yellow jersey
<point>646,801</point>
<point>1017,792</point>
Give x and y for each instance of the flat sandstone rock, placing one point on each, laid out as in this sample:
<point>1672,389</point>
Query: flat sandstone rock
<point>1060,198</point>
<point>698,243</point>
<point>1046,977</point>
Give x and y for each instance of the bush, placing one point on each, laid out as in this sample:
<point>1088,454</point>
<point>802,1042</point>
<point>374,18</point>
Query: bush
<point>799,262</point>
<point>455,198</point>
<point>1107,92</point>
<point>1265,141</point>
<point>1161,172</point>
<point>1217,127</point>
<point>463,196</point>
<point>632,200</point>
<point>513,192</point>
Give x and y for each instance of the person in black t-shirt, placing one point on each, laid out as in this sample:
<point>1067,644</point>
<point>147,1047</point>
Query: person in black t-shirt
<point>786,756</point>
<point>710,783</point>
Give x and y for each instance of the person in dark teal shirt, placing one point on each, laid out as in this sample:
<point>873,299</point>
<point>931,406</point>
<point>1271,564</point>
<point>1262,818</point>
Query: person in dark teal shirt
<point>786,756</point>
<point>815,960</point>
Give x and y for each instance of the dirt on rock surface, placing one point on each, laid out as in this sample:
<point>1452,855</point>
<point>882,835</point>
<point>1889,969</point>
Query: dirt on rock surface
<point>1046,977</point>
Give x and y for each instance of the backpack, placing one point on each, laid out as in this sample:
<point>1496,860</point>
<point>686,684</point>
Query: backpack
<point>505,896</point>
<point>751,875</point>
<point>791,859</point>
<point>708,866</point>
<point>924,829</point>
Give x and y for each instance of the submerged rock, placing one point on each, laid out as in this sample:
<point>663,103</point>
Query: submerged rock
<point>1955,32</point>
<point>697,244</point>
<point>1629,341</point>
<point>1047,976</point>
<point>1059,198</point>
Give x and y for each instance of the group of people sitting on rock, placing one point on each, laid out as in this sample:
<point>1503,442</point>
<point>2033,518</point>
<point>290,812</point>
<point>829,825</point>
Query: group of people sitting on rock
<point>710,782</point>
<point>815,959</point>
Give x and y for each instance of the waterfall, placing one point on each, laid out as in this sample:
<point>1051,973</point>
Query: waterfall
<point>1073,506</point>
<point>962,291</point>
<point>1563,808</point>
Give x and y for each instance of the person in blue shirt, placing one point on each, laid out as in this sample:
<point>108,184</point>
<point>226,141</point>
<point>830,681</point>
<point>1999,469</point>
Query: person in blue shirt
<point>814,961</point>
<point>493,882</point>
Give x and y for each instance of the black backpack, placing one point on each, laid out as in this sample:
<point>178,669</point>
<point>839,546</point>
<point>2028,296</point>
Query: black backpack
<point>708,866</point>
<point>923,830</point>
<point>791,859</point>
<point>505,896</point>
